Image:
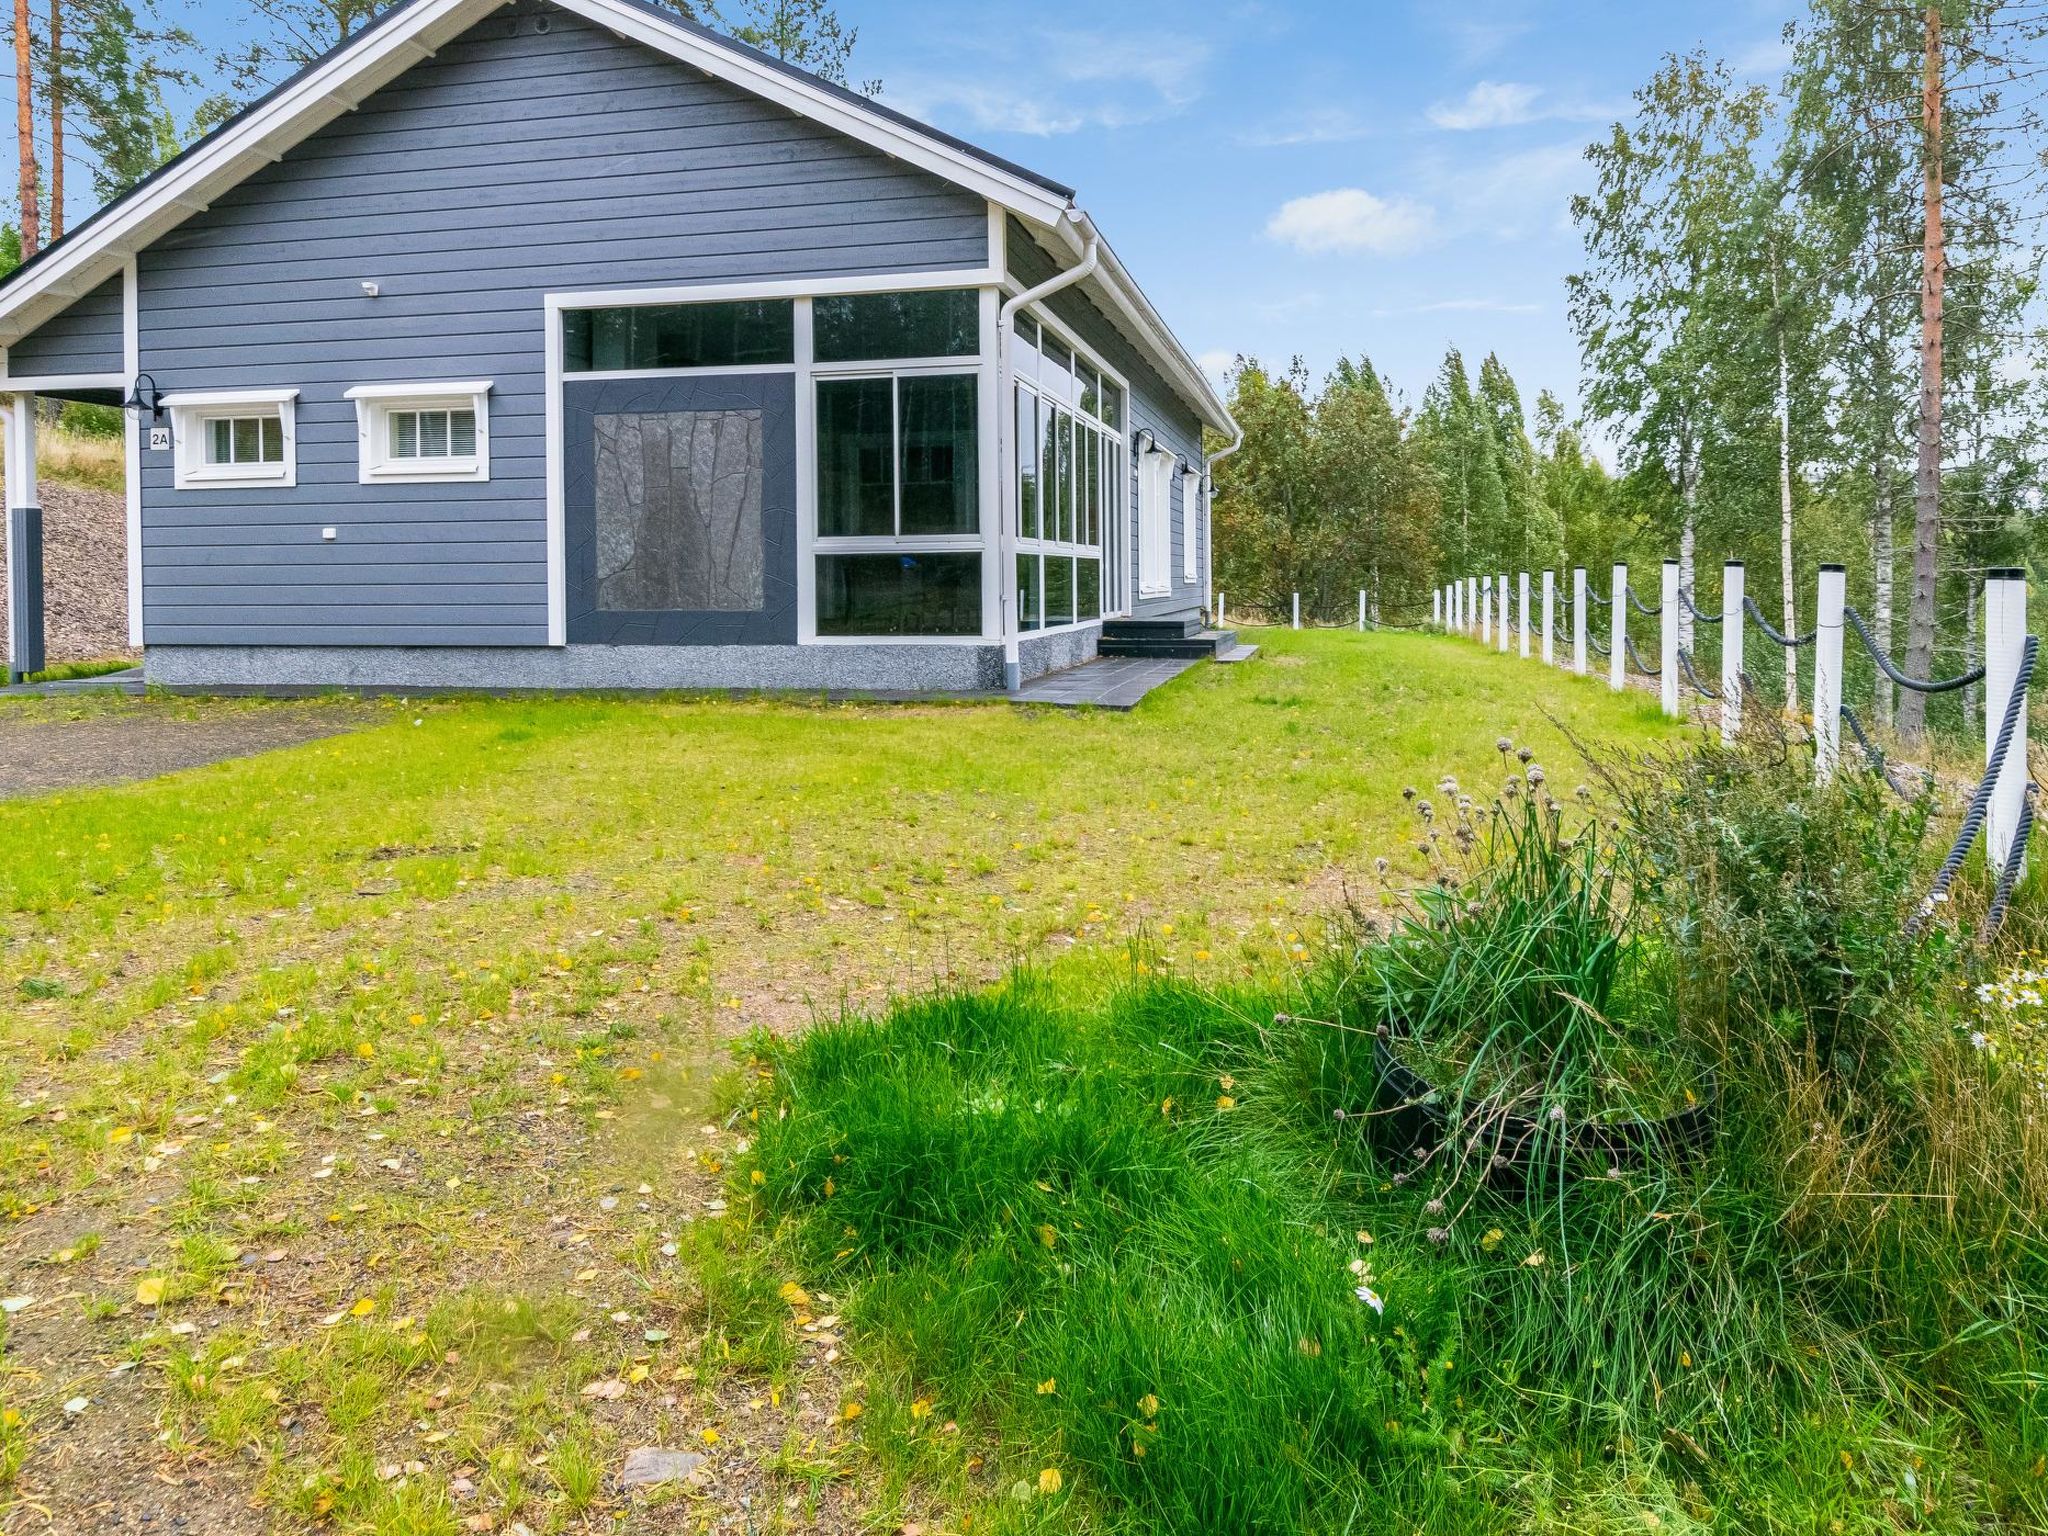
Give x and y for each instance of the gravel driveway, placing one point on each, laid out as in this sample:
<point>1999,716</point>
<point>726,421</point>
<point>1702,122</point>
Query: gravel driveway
<point>55,744</point>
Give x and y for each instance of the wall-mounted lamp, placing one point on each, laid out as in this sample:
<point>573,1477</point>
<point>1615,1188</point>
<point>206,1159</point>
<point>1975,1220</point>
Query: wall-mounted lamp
<point>143,395</point>
<point>371,290</point>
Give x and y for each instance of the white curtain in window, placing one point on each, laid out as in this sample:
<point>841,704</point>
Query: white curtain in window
<point>1155,524</point>
<point>1191,524</point>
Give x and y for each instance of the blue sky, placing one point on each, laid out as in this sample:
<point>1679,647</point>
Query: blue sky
<point>1321,177</point>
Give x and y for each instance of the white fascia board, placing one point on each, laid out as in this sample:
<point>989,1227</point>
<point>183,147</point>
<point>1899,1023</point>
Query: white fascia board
<point>1023,197</point>
<point>309,103</point>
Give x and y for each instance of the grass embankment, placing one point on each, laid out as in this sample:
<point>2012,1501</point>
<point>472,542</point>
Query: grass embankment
<point>1144,1241</point>
<point>332,1078</point>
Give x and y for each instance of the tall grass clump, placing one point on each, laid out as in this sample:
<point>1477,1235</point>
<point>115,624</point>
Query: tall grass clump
<point>1178,1249</point>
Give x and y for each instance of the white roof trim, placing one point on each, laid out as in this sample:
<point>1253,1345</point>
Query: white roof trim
<point>262,136</point>
<point>426,389</point>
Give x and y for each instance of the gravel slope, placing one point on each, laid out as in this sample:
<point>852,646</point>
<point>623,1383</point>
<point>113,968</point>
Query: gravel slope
<point>85,574</point>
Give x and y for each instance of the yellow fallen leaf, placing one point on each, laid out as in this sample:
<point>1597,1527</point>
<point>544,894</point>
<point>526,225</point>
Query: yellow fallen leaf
<point>119,1134</point>
<point>1049,1386</point>
<point>1492,1240</point>
<point>1534,1261</point>
<point>794,1294</point>
<point>150,1291</point>
<point>1148,1405</point>
<point>638,1374</point>
<point>1225,1103</point>
<point>364,1307</point>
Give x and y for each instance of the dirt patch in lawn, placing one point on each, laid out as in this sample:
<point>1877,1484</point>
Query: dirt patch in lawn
<point>42,752</point>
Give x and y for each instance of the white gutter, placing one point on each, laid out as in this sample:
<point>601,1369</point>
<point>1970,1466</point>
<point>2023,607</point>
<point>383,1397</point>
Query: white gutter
<point>1006,479</point>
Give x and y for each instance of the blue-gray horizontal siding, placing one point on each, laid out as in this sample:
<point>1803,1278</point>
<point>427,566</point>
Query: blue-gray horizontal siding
<point>1154,405</point>
<point>512,165</point>
<point>86,338</point>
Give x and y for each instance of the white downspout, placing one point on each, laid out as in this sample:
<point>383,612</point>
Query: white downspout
<point>1209,513</point>
<point>1006,532</point>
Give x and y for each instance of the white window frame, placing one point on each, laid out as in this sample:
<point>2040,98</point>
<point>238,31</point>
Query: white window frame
<point>1155,521</point>
<point>375,404</point>
<point>193,412</point>
<point>1190,518</point>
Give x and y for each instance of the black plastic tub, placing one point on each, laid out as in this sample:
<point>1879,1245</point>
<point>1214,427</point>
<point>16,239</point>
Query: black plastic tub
<point>1409,1117</point>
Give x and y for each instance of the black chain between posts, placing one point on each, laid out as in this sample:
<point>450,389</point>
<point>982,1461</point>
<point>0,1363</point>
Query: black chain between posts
<point>1884,663</point>
<point>1749,607</point>
<point>1638,660</point>
<point>1693,608</point>
<point>1597,646</point>
<point>1980,802</point>
<point>1685,664</point>
<point>1598,600</point>
<point>1637,603</point>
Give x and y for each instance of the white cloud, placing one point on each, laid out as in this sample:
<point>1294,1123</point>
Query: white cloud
<point>1509,104</point>
<point>1528,190</point>
<point>1217,363</point>
<point>1061,83</point>
<point>1765,60</point>
<point>1325,125</point>
<point>1476,306</point>
<point>1489,104</point>
<point>1351,219</point>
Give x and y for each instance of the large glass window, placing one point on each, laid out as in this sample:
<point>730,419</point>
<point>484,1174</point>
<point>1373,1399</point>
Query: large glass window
<point>746,334</point>
<point>899,455</point>
<point>1069,467</point>
<point>856,458</point>
<point>874,327</point>
<point>906,593</point>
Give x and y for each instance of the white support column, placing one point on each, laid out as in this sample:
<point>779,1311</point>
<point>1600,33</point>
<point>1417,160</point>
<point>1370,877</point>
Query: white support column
<point>1549,618</point>
<point>1668,666</point>
<point>1731,650</point>
<point>1486,610</point>
<point>1579,620</point>
<point>1827,672</point>
<point>1523,604</point>
<point>1297,610</point>
<point>1617,618</point>
<point>1506,610</point>
<point>2005,643</point>
<point>23,533</point>
<point>1436,607</point>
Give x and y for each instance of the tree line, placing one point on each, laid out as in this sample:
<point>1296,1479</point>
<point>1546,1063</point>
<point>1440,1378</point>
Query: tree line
<point>1809,326</point>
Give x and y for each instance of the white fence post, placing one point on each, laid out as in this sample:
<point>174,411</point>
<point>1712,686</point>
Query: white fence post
<point>1506,607</point>
<point>1361,610</point>
<point>1668,667</point>
<point>1297,610</point>
<point>1827,672</point>
<point>1486,610</point>
<point>1220,596</point>
<point>1731,650</point>
<point>1617,620</point>
<point>2005,644</point>
<point>1471,605</point>
<point>1579,620</point>
<point>1523,605</point>
<point>1549,618</point>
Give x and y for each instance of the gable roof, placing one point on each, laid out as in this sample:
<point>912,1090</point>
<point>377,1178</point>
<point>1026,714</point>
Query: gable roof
<point>413,30</point>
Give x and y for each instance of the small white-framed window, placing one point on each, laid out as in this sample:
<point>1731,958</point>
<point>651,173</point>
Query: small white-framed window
<point>416,434</point>
<point>234,437</point>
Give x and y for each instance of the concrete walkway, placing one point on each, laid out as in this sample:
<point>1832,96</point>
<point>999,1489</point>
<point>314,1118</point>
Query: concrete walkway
<point>1110,682</point>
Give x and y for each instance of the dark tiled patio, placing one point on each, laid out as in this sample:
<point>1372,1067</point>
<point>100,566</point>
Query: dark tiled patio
<point>1111,682</point>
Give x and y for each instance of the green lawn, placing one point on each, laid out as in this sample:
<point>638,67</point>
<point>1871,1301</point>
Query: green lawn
<point>357,1150</point>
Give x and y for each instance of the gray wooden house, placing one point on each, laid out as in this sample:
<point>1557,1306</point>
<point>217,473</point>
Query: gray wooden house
<point>565,343</point>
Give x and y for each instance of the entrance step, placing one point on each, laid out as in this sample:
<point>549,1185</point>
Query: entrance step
<point>1165,639</point>
<point>1238,653</point>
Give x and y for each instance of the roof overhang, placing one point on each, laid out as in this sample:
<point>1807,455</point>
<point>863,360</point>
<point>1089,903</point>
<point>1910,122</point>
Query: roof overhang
<point>97,250</point>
